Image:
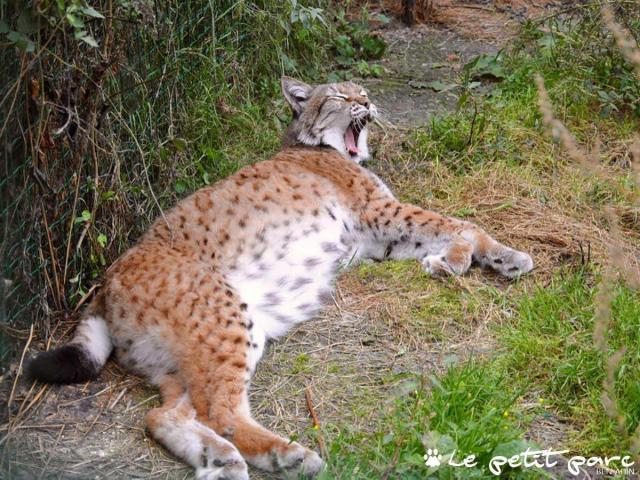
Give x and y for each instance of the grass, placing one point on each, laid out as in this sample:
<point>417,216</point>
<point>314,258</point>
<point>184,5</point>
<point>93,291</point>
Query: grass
<point>427,311</point>
<point>492,162</point>
<point>466,411</point>
<point>555,326</point>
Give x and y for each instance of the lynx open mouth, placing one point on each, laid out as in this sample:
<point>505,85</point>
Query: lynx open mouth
<point>352,134</point>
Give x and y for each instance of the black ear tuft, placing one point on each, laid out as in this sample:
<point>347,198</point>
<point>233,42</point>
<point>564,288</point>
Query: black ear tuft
<point>64,365</point>
<point>295,92</point>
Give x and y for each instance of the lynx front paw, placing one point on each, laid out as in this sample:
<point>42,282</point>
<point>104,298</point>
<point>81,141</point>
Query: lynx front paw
<point>510,263</point>
<point>436,266</point>
<point>456,261</point>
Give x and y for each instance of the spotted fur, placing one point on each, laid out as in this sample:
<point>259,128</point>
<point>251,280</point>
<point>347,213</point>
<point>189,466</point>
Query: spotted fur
<point>238,263</point>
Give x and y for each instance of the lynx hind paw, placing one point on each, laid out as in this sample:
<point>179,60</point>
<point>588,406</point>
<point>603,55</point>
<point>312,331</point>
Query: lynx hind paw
<point>510,263</point>
<point>229,472</point>
<point>222,467</point>
<point>298,461</point>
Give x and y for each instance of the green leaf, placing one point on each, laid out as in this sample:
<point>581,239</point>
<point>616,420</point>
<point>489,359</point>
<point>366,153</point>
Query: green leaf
<point>344,46</point>
<point>436,85</point>
<point>486,66</point>
<point>102,240</point>
<point>376,70</point>
<point>180,186</point>
<point>108,195</point>
<point>89,40</point>
<point>4,27</point>
<point>85,216</point>
<point>74,20</point>
<point>363,68</point>
<point>344,61</point>
<point>373,46</point>
<point>21,41</point>
<point>91,12</point>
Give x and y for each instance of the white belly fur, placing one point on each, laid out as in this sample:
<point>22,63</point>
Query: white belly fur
<point>293,277</point>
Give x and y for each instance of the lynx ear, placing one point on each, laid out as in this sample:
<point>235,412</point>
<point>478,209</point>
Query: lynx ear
<point>295,92</point>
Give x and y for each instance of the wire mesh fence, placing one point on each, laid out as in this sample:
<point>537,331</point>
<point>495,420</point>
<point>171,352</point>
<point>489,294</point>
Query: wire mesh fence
<point>94,103</point>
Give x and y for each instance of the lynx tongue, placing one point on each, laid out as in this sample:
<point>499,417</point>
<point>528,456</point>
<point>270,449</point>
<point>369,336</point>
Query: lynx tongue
<point>350,141</point>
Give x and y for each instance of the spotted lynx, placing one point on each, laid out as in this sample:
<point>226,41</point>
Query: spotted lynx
<point>191,306</point>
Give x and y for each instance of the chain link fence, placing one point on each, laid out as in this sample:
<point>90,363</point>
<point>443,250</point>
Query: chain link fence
<point>95,124</point>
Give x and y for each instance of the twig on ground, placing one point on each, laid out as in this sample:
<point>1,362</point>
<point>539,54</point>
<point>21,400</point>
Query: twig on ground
<point>86,296</point>
<point>316,423</point>
<point>472,7</point>
<point>19,371</point>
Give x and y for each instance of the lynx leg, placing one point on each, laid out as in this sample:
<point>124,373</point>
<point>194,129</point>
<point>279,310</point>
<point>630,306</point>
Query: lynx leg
<point>174,424</point>
<point>227,412</point>
<point>268,451</point>
<point>445,245</point>
<point>491,253</point>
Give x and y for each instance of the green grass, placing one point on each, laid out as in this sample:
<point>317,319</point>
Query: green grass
<point>467,410</point>
<point>546,364</point>
<point>431,310</point>
<point>550,345</point>
<point>475,407</point>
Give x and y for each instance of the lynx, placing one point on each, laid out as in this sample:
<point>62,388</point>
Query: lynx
<point>235,264</point>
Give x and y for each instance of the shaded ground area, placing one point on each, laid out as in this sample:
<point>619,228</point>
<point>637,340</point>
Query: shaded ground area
<point>415,60</point>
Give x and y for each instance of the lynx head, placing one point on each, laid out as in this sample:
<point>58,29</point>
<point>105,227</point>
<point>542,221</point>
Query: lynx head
<point>334,115</point>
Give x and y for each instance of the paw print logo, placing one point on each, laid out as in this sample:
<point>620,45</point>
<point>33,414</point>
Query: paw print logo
<point>432,458</point>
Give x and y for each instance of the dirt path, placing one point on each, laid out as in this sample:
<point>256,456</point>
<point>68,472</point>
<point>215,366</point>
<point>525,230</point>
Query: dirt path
<point>351,357</point>
<point>417,60</point>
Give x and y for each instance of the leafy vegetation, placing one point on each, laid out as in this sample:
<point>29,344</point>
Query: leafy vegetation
<point>356,46</point>
<point>133,107</point>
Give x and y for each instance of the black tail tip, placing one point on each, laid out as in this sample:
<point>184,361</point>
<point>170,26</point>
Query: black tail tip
<point>64,365</point>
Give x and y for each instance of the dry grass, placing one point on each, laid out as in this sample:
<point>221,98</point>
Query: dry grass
<point>534,212</point>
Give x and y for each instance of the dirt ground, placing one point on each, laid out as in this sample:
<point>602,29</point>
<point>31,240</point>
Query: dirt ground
<point>345,357</point>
